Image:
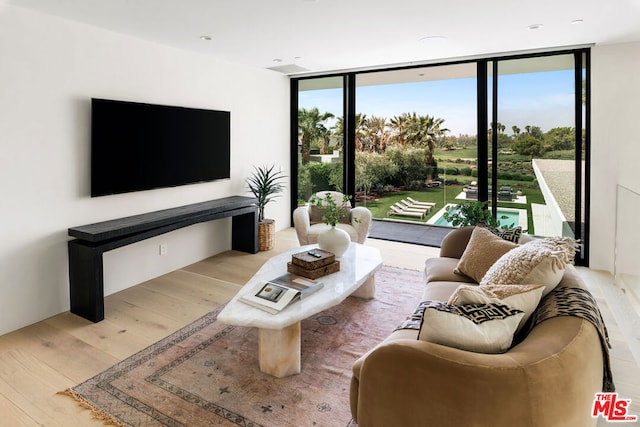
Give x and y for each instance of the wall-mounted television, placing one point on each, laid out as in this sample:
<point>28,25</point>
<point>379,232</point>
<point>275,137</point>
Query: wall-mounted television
<point>137,146</point>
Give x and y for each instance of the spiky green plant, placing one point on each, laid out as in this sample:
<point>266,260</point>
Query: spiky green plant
<point>265,183</point>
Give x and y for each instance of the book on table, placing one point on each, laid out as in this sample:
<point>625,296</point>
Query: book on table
<point>277,294</point>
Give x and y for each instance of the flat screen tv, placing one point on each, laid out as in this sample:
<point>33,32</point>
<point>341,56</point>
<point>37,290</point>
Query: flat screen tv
<point>136,146</point>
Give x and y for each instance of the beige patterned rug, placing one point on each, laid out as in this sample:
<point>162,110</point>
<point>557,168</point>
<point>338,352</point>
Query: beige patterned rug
<point>206,374</point>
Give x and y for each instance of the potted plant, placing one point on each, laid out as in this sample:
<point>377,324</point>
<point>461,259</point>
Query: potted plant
<point>332,212</point>
<point>265,183</point>
<point>471,213</point>
<point>335,239</point>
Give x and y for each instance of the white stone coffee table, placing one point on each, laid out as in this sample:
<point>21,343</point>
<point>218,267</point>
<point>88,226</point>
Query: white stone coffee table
<point>279,334</point>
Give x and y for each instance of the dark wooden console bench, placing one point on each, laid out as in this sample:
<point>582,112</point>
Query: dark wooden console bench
<point>91,241</point>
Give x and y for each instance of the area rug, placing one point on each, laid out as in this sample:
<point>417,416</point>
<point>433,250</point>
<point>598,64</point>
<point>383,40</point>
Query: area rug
<point>207,374</point>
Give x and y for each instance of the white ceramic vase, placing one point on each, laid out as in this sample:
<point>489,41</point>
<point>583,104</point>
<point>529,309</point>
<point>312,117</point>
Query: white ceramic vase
<point>334,240</point>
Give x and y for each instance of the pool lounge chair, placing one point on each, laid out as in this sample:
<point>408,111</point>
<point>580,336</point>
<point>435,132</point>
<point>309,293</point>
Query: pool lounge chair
<point>423,206</point>
<point>417,203</point>
<point>404,205</point>
<point>394,210</point>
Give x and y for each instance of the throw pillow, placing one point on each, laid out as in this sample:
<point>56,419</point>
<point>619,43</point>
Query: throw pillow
<point>521,297</point>
<point>541,261</point>
<point>482,328</point>
<point>511,234</point>
<point>316,214</point>
<point>482,251</point>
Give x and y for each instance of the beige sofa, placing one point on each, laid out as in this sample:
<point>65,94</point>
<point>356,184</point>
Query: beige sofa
<point>548,379</point>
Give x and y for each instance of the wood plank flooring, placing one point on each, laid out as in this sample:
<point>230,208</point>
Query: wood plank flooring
<point>38,361</point>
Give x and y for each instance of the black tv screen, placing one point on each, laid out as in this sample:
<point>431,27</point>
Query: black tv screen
<point>136,146</point>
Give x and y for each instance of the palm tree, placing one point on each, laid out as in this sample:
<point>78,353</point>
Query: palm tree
<point>338,132</point>
<point>378,134</point>
<point>499,127</point>
<point>311,128</point>
<point>362,133</point>
<point>399,125</point>
<point>423,131</point>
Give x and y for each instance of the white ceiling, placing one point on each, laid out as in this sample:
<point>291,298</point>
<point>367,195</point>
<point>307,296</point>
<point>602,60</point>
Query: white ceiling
<point>315,36</point>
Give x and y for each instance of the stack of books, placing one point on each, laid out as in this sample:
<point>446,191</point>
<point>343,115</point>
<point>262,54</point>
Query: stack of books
<point>277,294</point>
<point>313,263</point>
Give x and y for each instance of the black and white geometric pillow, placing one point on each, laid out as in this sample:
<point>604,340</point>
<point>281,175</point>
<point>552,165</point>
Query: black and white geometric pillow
<point>510,235</point>
<point>482,328</point>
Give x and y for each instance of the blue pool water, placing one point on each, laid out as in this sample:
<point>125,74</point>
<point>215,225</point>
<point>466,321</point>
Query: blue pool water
<point>506,219</point>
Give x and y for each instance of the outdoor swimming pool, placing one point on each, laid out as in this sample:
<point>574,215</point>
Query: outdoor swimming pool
<point>508,218</point>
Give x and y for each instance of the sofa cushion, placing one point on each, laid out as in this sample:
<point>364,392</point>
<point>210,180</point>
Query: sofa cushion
<point>440,291</point>
<point>521,297</point>
<point>541,261</point>
<point>441,269</point>
<point>481,328</point>
<point>483,250</point>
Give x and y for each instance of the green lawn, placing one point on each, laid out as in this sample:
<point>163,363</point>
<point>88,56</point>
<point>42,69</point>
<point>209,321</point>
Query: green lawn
<point>437,195</point>
<point>470,152</point>
<point>440,196</point>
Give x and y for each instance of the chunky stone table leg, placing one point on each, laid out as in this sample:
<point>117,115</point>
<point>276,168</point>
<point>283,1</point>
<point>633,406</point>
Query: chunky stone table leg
<point>279,350</point>
<point>367,290</point>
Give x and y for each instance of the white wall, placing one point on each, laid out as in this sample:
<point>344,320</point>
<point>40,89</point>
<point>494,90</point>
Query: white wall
<point>49,70</point>
<point>615,153</point>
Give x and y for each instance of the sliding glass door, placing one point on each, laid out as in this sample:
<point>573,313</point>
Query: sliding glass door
<point>320,136</point>
<point>537,158</point>
<point>415,139</point>
<point>512,131</point>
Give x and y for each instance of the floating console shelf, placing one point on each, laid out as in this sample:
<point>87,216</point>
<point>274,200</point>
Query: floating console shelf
<point>86,280</point>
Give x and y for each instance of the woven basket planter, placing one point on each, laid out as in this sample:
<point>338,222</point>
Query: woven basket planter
<point>266,235</point>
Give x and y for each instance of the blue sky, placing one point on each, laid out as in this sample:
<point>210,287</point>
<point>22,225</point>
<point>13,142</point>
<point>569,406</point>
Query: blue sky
<point>543,99</point>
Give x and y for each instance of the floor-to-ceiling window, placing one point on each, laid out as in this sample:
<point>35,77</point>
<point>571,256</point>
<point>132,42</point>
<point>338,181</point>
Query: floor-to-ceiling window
<point>534,155</point>
<point>415,138</point>
<point>319,153</point>
<point>496,129</point>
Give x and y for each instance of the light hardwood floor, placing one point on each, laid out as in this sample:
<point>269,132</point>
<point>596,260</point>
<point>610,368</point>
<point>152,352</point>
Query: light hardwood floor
<point>38,361</point>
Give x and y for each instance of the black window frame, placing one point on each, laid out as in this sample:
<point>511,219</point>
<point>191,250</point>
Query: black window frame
<point>582,59</point>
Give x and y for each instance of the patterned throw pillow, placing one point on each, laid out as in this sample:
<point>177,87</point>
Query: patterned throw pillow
<point>510,235</point>
<point>481,328</point>
<point>540,261</point>
<point>482,251</point>
<point>521,297</point>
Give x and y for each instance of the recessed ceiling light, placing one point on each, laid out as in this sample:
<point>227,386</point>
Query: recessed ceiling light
<point>277,60</point>
<point>535,26</point>
<point>577,21</point>
<point>206,38</point>
<point>432,38</point>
